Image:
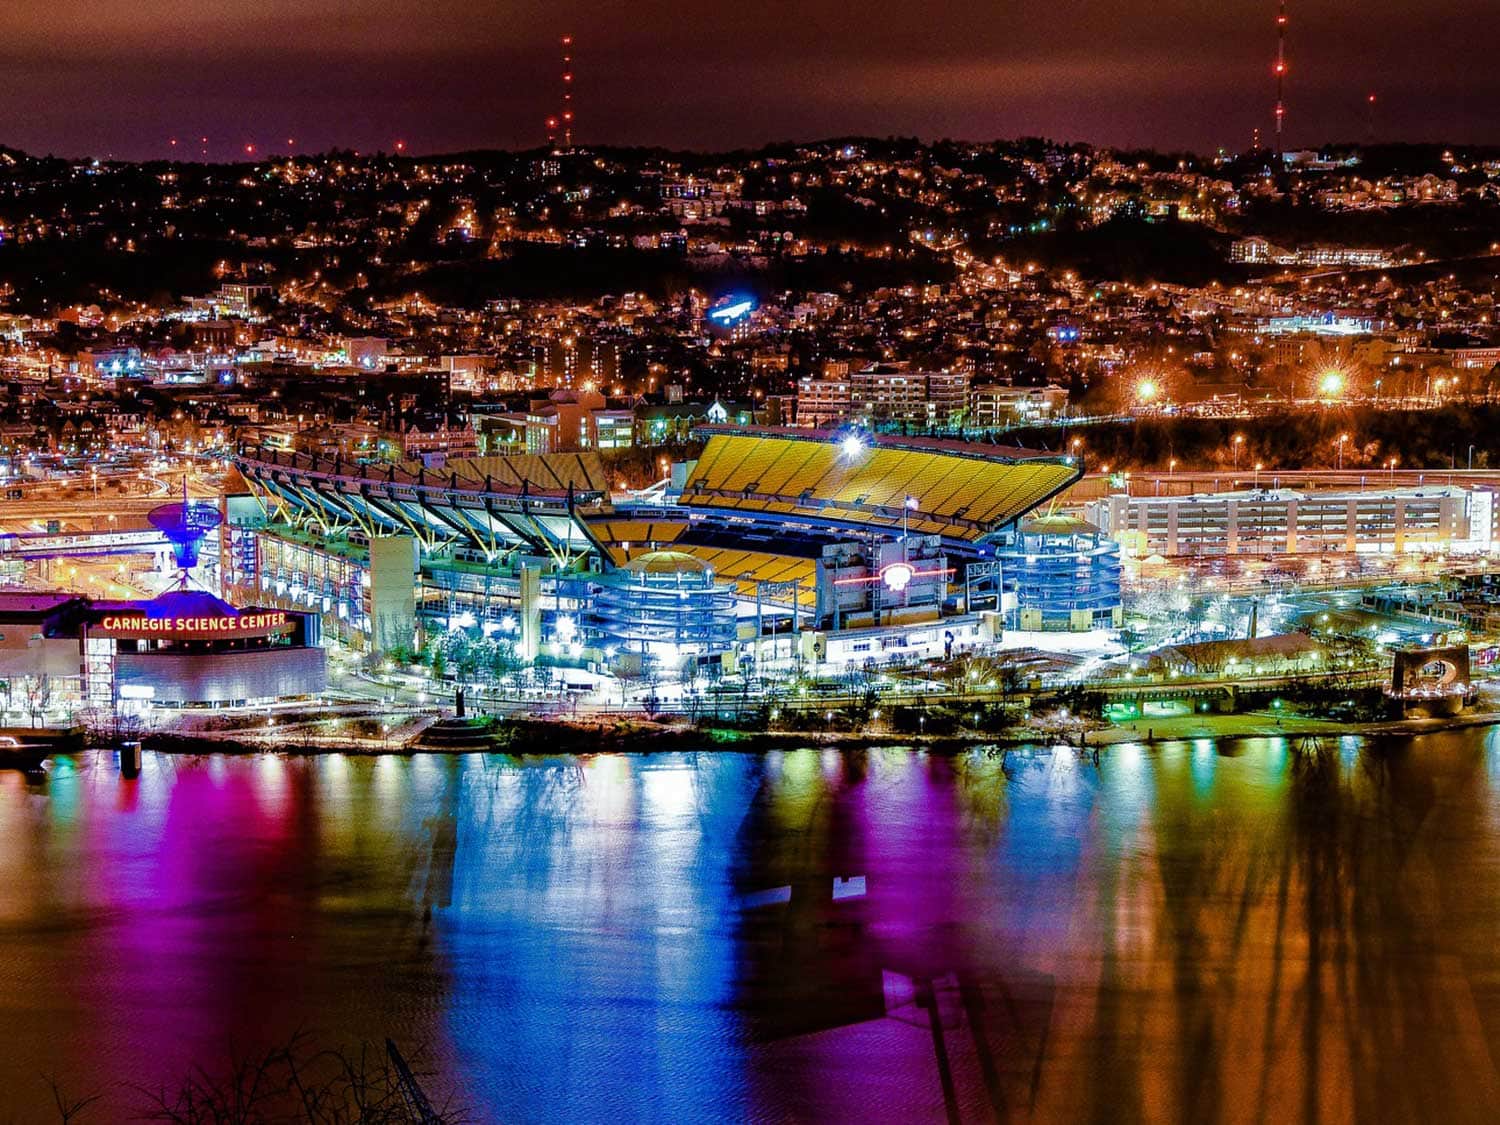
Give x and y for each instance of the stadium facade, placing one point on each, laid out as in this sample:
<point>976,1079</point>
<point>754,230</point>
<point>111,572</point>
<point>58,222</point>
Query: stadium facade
<point>802,538</point>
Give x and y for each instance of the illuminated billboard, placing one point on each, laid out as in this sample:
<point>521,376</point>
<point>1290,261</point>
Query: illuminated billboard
<point>736,310</point>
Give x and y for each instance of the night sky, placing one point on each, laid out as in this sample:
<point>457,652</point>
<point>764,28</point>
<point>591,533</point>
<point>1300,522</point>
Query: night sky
<point>85,77</point>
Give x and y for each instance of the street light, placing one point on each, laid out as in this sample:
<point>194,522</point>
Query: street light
<point>1258,467</point>
<point>1331,384</point>
<point>1339,445</point>
<point>1238,442</point>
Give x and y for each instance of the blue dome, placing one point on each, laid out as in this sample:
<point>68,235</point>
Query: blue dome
<point>188,603</point>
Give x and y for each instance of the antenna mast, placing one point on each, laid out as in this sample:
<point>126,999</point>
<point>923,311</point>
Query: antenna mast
<point>567,91</point>
<point>1280,71</point>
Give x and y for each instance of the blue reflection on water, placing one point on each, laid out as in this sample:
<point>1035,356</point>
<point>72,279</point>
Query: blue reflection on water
<point>589,944</point>
<point>1167,932</point>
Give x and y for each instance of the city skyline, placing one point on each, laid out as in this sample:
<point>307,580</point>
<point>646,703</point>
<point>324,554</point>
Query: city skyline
<point>790,562</point>
<point>457,76</point>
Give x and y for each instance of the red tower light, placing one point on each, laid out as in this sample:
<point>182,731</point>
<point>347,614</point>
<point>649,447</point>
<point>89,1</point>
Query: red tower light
<point>567,91</point>
<point>1279,70</point>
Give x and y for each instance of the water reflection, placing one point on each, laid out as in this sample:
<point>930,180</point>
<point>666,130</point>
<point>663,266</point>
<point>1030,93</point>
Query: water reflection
<point>1265,930</point>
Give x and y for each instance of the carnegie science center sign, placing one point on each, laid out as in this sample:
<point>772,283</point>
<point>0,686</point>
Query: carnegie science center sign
<point>192,628</point>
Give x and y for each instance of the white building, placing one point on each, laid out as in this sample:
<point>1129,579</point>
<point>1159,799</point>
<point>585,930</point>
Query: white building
<point>993,406</point>
<point>1258,251</point>
<point>1284,521</point>
<point>822,402</point>
<point>885,392</point>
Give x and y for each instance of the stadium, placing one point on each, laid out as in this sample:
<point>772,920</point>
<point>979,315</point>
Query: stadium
<point>774,543</point>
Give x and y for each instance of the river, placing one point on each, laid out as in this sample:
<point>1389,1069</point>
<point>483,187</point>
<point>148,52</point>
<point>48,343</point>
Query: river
<point>1260,930</point>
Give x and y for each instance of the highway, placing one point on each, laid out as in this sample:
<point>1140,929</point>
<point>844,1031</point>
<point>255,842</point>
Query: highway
<point>89,544</point>
<point>74,515</point>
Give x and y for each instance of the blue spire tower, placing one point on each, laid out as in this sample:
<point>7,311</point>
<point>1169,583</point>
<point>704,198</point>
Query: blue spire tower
<point>185,526</point>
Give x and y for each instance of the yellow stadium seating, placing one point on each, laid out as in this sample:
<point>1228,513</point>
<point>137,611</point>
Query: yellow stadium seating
<point>960,493</point>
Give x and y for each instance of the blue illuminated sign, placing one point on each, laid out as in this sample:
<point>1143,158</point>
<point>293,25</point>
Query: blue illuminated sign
<point>734,312</point>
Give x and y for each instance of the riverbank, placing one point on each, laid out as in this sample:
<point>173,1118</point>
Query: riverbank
<point>582,736</point>
<point>1264,724</point>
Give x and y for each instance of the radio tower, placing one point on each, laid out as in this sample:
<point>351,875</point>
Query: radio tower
<point>1280,71</point>
<point>567,91</point>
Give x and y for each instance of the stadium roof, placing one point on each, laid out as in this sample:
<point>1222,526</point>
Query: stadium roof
<point>491,503</point>
<point>666,562</point>
<point>27,603</point>
<point>1057,523</point>
<point>535,476</point>
<point>928,486</point>
<point>747,562</point>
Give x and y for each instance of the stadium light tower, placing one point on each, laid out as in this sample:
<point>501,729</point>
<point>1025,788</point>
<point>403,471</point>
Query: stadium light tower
<point>1280,71</point>
<point>1331,384</point>
<point>567,91</point>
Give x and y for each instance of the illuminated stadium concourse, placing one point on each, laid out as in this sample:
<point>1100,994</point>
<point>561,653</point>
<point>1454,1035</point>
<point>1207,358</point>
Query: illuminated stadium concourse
<point>826,544</point>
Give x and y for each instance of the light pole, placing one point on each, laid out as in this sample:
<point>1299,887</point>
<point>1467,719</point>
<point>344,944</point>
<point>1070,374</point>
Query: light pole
<point>1391,466</point>
<point>1331,385</point>
<point>1238,442</point>
<point>1258,468</point>
<point>1343,438</point>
